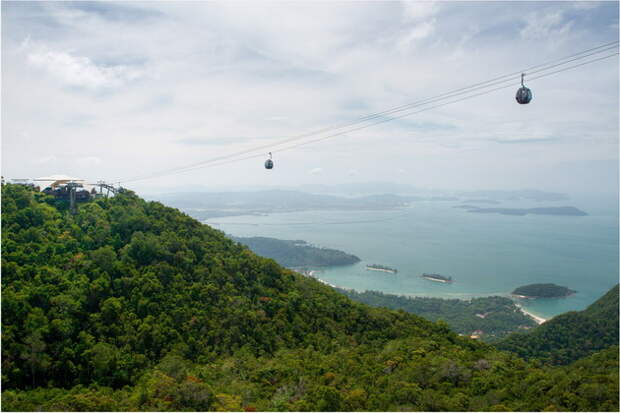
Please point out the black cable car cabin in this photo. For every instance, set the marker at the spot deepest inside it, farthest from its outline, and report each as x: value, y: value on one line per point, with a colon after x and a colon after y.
x: 524, y: 95
x: 269, y: 162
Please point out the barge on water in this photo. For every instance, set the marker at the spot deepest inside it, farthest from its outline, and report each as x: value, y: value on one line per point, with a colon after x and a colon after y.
x: 437, y: 277
x: 377, y: 267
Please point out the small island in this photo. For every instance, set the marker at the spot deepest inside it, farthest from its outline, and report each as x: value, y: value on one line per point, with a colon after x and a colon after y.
x: 377, y: 267
x: 542, y: 291
x: 437, y: 277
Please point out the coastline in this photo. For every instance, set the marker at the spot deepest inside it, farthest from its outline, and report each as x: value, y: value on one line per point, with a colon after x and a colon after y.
x: 312, y: 274
x: 326, y: 283
x: 531, y: 297
x: 390, y: 246
x: 539, y: 320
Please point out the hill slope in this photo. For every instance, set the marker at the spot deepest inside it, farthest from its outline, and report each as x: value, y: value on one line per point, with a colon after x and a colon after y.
x: 130, y: 281
x: 296, y: 253
x: 493, y: 317
x: 130, y: 305
x: 572, y: 335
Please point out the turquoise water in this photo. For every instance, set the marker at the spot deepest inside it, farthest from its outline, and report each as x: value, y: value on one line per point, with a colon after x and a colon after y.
x: 486, y: 254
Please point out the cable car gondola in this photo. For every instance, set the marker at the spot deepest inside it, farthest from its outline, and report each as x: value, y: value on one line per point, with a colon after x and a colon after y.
x: 269, y: 162
x: 524, y: 95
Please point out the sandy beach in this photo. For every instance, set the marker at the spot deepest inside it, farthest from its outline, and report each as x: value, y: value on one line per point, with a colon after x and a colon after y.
x: 521, y: 296
x: 326, y: 283
x: 536, y: 318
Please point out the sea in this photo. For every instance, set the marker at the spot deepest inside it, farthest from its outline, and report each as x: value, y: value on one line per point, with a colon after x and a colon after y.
x: 485, y: 254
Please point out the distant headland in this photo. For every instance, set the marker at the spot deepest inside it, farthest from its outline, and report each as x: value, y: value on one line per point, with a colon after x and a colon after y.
x: 297, y: 253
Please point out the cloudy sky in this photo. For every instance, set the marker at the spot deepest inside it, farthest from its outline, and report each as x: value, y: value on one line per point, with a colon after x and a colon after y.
x: 115, y: 90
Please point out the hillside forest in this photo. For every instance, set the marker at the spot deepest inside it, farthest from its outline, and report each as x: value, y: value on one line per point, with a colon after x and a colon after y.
x: 131, y: 305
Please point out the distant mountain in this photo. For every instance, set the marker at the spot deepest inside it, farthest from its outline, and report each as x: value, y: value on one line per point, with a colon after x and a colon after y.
x: 203, y: 205
x: 570, y: 336
x: 296, y: 253
x: 362, y: 196
x: 481, y: 201
x: 565, y: 211
x: 523, y: 194
x: 363, y: 188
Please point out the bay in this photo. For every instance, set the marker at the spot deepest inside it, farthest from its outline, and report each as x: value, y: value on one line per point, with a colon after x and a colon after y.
x: 486, y: 254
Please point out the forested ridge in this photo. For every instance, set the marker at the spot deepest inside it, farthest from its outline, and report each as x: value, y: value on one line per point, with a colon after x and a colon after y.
x: 130, y: 305
x: 296, y: 253
x: 492, y: 317
x: 570, y: 336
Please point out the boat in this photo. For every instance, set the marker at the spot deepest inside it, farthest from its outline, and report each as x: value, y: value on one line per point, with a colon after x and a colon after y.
x: 377, y: 267
x: 437, y: 277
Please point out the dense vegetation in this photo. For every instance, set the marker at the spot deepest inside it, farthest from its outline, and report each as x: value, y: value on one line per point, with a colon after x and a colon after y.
x: 496, y: 317
x: 130, y: 305
x: 543, y: 291
x: 297, y: 253
x: 570, y: 336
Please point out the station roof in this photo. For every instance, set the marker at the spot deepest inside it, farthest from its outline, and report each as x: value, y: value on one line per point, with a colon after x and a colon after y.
x: 54, y: 178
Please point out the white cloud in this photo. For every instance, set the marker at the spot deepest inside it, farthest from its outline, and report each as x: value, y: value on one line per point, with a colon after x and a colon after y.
x: 237, y: 76
x: 545, y: 25
x: 420, y: 22
x: 81, y: 71
x: 46, y: 160
x: 420, y: 31
x: 316, y: 171
x: 585, y: 5
x: 419, y: 10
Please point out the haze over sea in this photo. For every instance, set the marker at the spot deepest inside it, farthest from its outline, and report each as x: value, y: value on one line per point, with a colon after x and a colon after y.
x: 486, y: 254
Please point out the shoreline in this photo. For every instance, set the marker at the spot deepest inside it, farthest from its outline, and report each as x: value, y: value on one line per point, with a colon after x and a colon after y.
x: 326, y: 283
x: 539, y: 320
x: 531, y: 297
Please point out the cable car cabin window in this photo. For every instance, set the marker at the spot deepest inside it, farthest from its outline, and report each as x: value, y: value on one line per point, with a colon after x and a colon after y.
x: 269, y: 164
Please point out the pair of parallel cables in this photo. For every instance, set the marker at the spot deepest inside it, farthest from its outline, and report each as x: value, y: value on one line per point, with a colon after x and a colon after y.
x: 540, y: 71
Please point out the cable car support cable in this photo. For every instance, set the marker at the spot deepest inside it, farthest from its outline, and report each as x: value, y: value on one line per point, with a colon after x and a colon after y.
x: 221, y: 160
